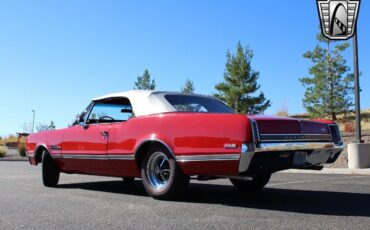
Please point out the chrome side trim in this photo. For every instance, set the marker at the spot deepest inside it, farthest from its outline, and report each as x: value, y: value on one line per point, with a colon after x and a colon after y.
x: 85, y: 157
x: 55, y: 147
x: 56, y: 156
x: 94, y: 157
x: 121, y: 157
x: 288, y: 134
x: 292, y: 146
x: 214, y: 157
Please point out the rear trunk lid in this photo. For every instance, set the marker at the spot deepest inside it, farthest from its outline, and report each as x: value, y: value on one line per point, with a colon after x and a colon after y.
x: 275, y: 129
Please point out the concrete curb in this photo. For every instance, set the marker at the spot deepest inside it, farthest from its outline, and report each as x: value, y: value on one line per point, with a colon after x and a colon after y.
x: 343, y: 171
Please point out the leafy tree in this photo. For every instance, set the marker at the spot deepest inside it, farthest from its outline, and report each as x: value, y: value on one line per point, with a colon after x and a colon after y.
x: 240, y: 83
x: 329, y: 89
x: 188, y: 87
x: 145, y: 82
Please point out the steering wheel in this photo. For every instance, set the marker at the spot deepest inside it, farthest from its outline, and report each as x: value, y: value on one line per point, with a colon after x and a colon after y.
x: 105, y: 117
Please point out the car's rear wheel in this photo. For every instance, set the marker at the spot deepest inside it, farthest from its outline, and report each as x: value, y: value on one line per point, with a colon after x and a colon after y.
x: 50, y: 171
x: 162, y: 177
x: 253, y: 184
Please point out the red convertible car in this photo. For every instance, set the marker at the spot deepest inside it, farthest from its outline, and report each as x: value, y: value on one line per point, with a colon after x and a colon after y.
x: 166, y: 138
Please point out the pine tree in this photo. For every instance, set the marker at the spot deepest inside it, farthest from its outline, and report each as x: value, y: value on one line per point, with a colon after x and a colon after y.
x: 240, y: 85
x: 52, y: 125
x: 145, y: 82
x: 188, y: 87
x: 329, y: 89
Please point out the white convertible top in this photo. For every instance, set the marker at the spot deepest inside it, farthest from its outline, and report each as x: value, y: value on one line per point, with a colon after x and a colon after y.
x: 143, y: 102
x: 146, y: 102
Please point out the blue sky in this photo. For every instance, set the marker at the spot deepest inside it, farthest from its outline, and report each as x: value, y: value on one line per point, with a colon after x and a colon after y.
x: 57, y: 55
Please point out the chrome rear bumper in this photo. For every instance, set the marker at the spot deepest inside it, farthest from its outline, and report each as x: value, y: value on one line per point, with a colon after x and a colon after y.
x: 317, y: 152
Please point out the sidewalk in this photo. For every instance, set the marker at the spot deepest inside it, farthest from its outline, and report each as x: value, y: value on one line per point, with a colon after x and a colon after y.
x: 344, y: 171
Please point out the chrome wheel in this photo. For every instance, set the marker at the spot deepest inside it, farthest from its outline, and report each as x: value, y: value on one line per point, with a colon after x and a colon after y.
x: 158, y: 170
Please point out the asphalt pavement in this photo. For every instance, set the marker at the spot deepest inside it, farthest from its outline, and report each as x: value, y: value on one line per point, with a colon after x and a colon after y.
x: 290, y: 201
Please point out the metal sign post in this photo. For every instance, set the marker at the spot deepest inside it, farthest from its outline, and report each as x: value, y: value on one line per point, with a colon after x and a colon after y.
x: 357, y: 90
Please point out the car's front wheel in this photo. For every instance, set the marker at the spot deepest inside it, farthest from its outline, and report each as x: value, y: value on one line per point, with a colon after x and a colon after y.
x: 50, y: 171
x: 162, y: 177
x: 253, y: 184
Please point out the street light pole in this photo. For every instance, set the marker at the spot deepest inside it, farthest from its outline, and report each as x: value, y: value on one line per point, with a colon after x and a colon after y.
x: 357, y: 89
x: 33, y: 120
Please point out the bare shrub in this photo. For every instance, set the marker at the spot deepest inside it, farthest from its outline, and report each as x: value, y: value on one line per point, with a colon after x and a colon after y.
x: 2, y: 151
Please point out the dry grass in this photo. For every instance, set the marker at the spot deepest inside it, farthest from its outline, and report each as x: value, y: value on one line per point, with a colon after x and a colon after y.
x: 283, y: 111
x: 351, y: 127
x: 2, y: 151
x: 346, y: 123
x: 22, y: 150
x: 11, y: 139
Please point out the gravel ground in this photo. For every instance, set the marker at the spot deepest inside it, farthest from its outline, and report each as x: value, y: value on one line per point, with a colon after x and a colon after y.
x: 348, y: 137
x: 291, y: 201
x: 12, y: 155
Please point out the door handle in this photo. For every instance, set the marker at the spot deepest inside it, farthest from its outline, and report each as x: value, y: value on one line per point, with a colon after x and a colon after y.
x: 105, y: 134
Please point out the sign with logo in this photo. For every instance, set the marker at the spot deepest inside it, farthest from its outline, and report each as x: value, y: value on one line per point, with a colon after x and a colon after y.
x: 338, y: 18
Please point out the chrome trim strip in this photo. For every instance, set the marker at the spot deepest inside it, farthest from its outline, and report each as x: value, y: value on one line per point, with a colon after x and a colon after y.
x: 298, y: 140
x: 121, y: 157
x: 55, y: 147
x: 295, y: 137
x: 94, y: 157
x: 291, y: 146
x: 56, y: 155
x: 85, y: 157
x: 213, y: 157
x: 289, y: 134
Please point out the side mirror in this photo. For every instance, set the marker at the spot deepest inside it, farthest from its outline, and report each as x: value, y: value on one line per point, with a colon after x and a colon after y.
x: 82, y: 123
